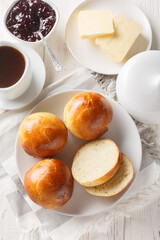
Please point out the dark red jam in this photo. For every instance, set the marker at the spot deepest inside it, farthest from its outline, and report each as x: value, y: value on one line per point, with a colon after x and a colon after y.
x: 23, y: 19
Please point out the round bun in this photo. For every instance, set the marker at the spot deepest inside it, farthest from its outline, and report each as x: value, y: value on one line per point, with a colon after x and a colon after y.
x: 87, y: 115
x: 49, y: 183
x: 42, y: 134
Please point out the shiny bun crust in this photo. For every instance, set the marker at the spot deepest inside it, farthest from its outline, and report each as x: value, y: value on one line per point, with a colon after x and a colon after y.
x: 42, y: 134
x: 87, y: 115
x: 49, y: 183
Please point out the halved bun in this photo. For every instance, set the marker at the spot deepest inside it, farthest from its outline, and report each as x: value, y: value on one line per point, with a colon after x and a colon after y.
x: 120, y: 180
x: 87, y: 115
x: 43, y: 134
x: 96, y: 162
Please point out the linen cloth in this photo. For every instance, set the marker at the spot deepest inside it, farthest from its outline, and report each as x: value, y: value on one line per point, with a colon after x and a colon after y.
x: 38, y: 223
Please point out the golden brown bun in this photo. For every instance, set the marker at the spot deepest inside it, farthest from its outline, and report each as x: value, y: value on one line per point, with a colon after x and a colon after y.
x: 42, y: 134
x: 49, y: 183
x: 87, y: 115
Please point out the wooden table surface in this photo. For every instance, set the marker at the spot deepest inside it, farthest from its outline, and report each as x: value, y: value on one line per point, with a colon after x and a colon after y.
x: 144, y: 223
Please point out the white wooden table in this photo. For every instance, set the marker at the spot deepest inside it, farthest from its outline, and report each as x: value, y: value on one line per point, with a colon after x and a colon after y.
x: 143, y: 224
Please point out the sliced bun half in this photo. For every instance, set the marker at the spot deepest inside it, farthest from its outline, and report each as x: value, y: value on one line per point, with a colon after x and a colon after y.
x: 120, y: 180
x: 96, y: 162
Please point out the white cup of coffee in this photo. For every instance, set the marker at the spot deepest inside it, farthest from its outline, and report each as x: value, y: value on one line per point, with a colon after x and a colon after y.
x: 15, y: 70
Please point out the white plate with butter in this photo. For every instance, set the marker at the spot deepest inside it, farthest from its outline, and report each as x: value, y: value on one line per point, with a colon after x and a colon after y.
x: 87, y: 53
x: 122, y: 130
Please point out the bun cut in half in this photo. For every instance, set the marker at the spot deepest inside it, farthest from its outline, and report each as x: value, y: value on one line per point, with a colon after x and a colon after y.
x: 120, y: 180
x: 43, y: 134
x: 49, y: 183
x: 87, y: 115
x: 96, y: 162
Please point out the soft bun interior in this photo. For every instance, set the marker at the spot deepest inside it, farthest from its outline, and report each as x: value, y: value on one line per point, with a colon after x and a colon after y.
x: 96, y: 162
x: 118, y: 182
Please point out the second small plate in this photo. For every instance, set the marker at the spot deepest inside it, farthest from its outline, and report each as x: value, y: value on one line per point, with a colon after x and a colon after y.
x: 87, y: 53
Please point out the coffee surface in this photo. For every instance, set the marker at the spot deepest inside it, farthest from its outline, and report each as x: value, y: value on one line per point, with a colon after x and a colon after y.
x: 12, y: 65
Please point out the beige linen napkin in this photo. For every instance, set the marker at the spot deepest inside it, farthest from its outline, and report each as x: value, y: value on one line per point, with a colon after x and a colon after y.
x: 38, y: 223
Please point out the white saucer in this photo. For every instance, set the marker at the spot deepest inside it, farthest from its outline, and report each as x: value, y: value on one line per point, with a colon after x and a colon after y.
x: 87, y: 53
x: 37, y: 83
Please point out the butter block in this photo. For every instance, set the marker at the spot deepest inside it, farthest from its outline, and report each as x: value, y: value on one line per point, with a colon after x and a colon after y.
x: 118, y: 45
x: 95, y: 23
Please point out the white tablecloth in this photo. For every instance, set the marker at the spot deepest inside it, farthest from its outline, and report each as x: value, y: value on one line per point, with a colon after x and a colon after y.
x: 36, y: 221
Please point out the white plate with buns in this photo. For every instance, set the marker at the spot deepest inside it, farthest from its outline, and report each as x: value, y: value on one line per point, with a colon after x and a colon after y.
x: 122, y: 133
x: 87, y: 53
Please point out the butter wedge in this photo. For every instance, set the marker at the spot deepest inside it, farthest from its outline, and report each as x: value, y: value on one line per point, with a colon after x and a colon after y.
x: 95, y: 23
x: 118, y: 45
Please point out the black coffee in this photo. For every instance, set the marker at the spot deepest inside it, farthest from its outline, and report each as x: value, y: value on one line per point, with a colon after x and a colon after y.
x: 12, y: 65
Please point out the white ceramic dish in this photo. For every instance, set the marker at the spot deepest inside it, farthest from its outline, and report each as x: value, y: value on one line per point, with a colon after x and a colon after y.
x: 89, y: 55
x: 31, y: 43
x: 35, y: 87
x: 122, y: 130
x: 138, y: 87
